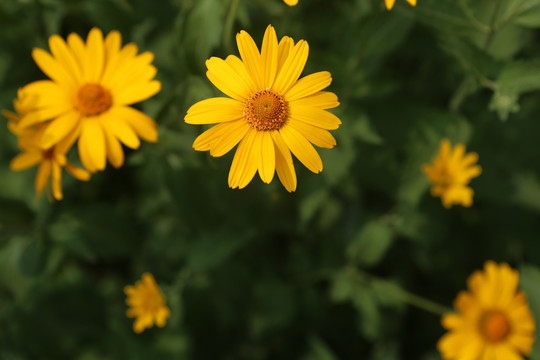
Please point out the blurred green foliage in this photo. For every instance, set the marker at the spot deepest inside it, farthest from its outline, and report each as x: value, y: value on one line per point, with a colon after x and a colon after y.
x: 320, y: 274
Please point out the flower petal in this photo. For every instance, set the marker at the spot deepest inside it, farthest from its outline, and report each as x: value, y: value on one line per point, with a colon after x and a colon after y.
x: 95, y: 55
x: 92, y: 149
x: 136, y: 93
x: 292, y: 68
x: 215, y: 110
x: 26, y: 160
x: 220, y: 139
x: 284, y: 163
x: 321, y: 100
x: 301, y: 148
x: 309, y: 85
x: 314, y: 134
x: 245, y: 162
x: 142, y: 124
x: 317, y: 117
x: 226, y: 79
x: 269, y: 56
x: 59, y: 128
x: 267, y: 159
x: 251, y: 57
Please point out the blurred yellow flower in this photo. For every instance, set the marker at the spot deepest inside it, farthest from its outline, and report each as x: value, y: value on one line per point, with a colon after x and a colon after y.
x: 291, y: 2
x: 269, y: 111
x: 450, y: 173
x: 493, y: 319
x: 89, y: 92
x: 390, y: 3
x: 51, y: 160
x: 147, y: 304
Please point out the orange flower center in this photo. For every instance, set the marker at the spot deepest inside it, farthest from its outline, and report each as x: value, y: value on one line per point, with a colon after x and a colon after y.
x: 494, y: 326
x: 93, y: 99
x: 266, y: 110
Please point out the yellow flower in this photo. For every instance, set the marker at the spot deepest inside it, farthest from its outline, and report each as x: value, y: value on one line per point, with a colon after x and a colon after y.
x: 390, y: 3
x: 270, y: 111
x: 147, y: 304
x: 89, y: 92
x: 291, y: 2
x: 51, y: 161
x: 493, y: 320
x: 450, y: 173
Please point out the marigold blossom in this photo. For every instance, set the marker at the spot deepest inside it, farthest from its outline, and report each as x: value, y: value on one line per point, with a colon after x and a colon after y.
x: 390, y: 3
x: 450, y: 173
x: 493, y: 319
x: 270, y: 112
x: 89, y: 92
x: 147, y: 304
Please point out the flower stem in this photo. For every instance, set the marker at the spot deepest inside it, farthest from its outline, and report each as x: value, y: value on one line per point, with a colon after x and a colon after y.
x: 229, y: 22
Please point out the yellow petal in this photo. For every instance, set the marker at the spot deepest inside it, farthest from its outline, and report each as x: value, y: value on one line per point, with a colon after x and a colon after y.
x: 313, y: 116
x: 92, y: 145
x: 142, y: 124
x: 291, y: 2
x: 120, y: 129
x: 242, y: 72
x: 131, y: 73
x: 316, y: 135
x: 214, y: 110
x: 412, y: 2
x: 321, y: 100
x: 292, y: 68
x: 301, y: 148
x: 26, y: 160
x: 284, y: 163
x: 42, y: 176
x: 137, y: 93
x: 286, y: 45
x: 226, y: 79
x: 57, y: 181
x: 245, y: 162
x: 65, y: 56
x: 117, y: 60
x: 77, y: 46
x: 269, y: 56
x: 267, y: 159
x: 77, y: 172
x: 221, y: 138
x: 309, y: 85
x: 52, y: 68
x: 59, y: 128
x: 43, y: 93
x: 115, y: 154
x: 251, y: 57
x: 389, y: 4
x: 95, y: 55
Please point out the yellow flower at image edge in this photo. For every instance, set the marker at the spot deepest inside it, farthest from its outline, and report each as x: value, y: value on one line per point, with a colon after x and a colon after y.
x: 291, y: 2
x: 493, y: 319
x: 390, y: 3
x: 92, y: 85
x: 450, y: 173
x: 51, y: 160
x: 147, y: 304
x: 270, y: 112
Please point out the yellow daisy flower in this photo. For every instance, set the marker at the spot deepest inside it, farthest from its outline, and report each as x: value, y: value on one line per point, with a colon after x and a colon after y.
x: 147, y: 304
x: 92, y: 85
x: 269, y: 111
x: 51, y: 161
x: 291, y: 2
x: 450, y: 173
x: 390, y: 3
x: 493, y: 320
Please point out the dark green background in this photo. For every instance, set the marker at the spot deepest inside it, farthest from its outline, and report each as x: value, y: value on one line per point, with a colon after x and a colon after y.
x: 259, y: 273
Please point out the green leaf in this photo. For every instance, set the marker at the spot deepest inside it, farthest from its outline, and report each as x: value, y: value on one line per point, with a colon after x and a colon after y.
x: 370, y: 244
x: 514, y: 80
x: 319, y: 350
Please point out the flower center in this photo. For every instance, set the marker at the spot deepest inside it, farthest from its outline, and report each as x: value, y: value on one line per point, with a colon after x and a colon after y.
x: 494, y: 326
x: 93, y: 99
x: 266, y: 110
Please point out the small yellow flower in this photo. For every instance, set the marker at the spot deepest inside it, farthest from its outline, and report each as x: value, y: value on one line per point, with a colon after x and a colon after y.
x: 450, y: 173
x: 390, y: 3
x: 51, y: 160
x: 493, y: 320
x: 291, y: 2
x: 147, y: 304
x: 270, y: 112
x: 92, y: 85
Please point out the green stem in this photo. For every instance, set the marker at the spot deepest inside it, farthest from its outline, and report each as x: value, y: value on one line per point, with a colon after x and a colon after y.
x: 229, y: 22
x: 492, y: 28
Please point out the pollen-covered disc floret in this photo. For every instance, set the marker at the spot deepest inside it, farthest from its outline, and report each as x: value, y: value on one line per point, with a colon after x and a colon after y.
x: 93, y: 99
x: 266, y: 110
x: 269, y: 111
x: 493, y: 320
